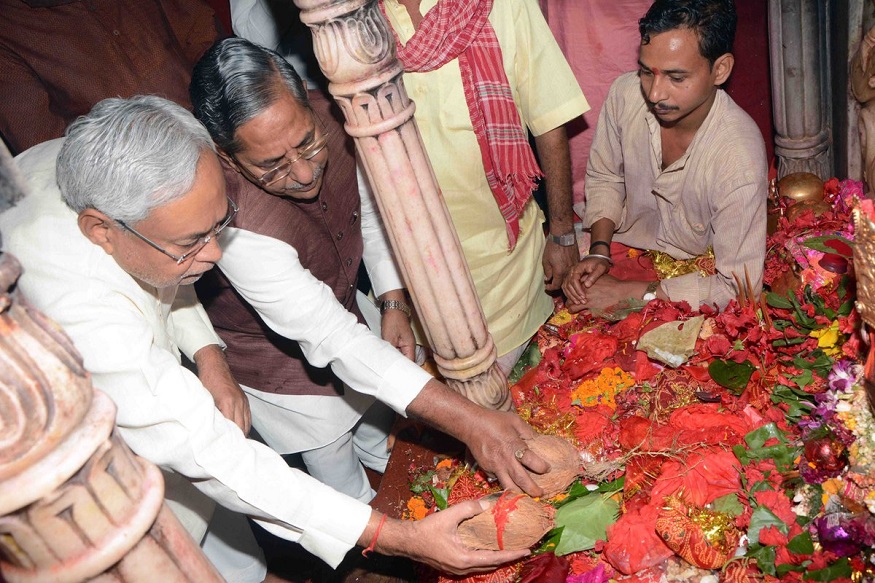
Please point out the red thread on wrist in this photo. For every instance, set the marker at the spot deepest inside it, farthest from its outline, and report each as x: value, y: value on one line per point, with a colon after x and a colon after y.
x: 374, y: 540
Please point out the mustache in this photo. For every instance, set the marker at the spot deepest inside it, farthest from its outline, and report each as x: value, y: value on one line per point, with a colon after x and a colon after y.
x: 661, y: 107
x: 297, y: 186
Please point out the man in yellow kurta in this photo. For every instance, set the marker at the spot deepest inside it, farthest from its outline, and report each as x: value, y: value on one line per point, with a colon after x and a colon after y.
x: 509, y: 276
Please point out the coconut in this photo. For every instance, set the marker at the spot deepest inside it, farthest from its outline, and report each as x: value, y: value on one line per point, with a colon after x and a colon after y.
x: 515, y: 521
x: 564, y: 461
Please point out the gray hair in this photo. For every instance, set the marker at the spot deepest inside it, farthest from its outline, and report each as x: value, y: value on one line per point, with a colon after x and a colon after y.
x: 235, y: 81
x: 130, y: 156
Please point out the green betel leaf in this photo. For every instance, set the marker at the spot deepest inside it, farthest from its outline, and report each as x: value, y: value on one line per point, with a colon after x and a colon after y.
x: 834, y: 244
x: 764, y: 556
x: 584, y: 522
x: 841, y: 569
x: 440, y: 496
x: 530, y: 358
x: 778, y: 301
x: 551, y: 539
x: 728, y: 504
x: 730, y: 374
x: 785, y: 568
x: 762, y: 518
x: 801, y: 544
x: 613, y: 485
x: 783, y: 453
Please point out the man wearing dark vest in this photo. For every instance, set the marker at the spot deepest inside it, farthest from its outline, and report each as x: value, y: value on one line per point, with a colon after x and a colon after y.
x: 275, y: 141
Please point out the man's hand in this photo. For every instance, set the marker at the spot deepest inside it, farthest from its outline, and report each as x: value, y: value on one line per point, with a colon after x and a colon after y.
x: 555, y: 161
x: 395, y: 329
x: 395, y: 325
x: 492, y: 436
x: 214, y: 374
x: 495, y: 443
x: 580, y: 278
x: 558, y: 260
x: 435, y: 541
x: 609, y: 291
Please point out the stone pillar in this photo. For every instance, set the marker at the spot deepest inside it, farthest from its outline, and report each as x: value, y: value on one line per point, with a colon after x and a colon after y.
x: 75, y: 503
x: 800, y: 80
x: 356, y: 51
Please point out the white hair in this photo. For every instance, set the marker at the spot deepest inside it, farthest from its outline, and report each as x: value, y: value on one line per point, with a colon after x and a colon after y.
x: 129, y: 156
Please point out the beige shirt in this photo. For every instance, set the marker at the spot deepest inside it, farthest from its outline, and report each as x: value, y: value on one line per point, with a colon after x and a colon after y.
x: 510, y: 284
x: 714, y: 195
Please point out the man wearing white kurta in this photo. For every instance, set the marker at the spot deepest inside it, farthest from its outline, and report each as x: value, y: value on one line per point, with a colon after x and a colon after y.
x: 109, y: 283
x: 261, y: 116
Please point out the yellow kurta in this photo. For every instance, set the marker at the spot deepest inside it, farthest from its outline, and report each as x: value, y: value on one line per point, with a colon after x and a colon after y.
x: 510, y: 284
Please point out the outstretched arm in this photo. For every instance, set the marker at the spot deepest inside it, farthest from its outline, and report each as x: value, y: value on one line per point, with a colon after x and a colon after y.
x: 556, y: 162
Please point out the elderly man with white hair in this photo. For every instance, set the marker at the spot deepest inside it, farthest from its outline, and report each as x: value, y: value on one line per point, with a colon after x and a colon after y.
x: 141, y: 205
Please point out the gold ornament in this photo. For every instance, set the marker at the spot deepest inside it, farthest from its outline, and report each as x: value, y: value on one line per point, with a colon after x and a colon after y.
x: 819, y: 208
x: 667, y: 266
x: 801, y: 186
x: 864, y: 265
x: 864, y: 268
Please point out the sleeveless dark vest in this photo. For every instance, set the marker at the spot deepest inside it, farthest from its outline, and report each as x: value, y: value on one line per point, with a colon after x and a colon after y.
x: 327, y: 235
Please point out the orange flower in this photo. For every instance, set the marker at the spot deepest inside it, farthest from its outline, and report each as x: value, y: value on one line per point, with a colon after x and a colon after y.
x: 417, y: 508
x: 445, y: 463
x: 603, y: 389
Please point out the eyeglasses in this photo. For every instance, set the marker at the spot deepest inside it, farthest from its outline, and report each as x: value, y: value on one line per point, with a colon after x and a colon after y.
x: 195, y: 247
x: 307, y: 152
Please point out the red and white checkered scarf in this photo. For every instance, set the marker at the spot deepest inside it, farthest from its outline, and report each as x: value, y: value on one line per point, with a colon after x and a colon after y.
x: 460, y: 28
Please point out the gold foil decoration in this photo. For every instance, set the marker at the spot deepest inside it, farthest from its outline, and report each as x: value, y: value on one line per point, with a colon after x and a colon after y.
x: 864, y: 265
x: 667, y: 266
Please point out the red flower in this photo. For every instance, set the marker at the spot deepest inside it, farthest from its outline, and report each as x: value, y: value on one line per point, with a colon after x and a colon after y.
x: 717, y: 346
x: 778, y: 503
x: 629, y: 328
x: 591, y: 423
x: 587, y: 353
x: 772, y: 536
x: 832, y: 187
x: 645, y: 369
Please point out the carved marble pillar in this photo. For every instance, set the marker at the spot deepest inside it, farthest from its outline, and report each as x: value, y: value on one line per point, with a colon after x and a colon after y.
x: 800, y: 80
x: 356, y: 51
x: 75, y: 503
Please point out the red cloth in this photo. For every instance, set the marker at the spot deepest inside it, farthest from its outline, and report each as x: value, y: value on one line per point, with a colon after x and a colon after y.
x: 460, y: 28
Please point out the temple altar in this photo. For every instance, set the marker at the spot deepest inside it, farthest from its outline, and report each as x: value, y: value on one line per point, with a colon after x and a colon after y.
x: 707, y: 430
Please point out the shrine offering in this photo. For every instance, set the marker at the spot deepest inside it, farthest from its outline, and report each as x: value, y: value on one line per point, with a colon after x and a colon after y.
x: 564, y: 463
x: 515, y: 521
x: 731, y: 446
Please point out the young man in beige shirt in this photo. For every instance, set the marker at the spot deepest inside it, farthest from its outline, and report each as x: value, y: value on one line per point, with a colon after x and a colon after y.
x: 676, y: 166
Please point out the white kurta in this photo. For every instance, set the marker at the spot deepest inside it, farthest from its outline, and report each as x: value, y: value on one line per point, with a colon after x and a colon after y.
x: 130, y: 336
x: 304, y: 422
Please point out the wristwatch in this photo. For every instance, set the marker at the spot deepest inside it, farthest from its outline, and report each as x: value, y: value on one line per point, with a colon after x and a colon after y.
x: 650, y: 294
x: 394, y: 305
x: 566, y: 240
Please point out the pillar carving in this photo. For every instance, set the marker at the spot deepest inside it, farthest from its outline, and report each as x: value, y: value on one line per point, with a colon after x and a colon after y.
x: 356, y: 51
x: 75, y: 503
x: 800, y: 79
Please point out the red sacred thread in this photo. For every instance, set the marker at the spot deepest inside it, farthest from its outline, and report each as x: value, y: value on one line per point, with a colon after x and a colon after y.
x: 501, y: 513
x: 374, y: 540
